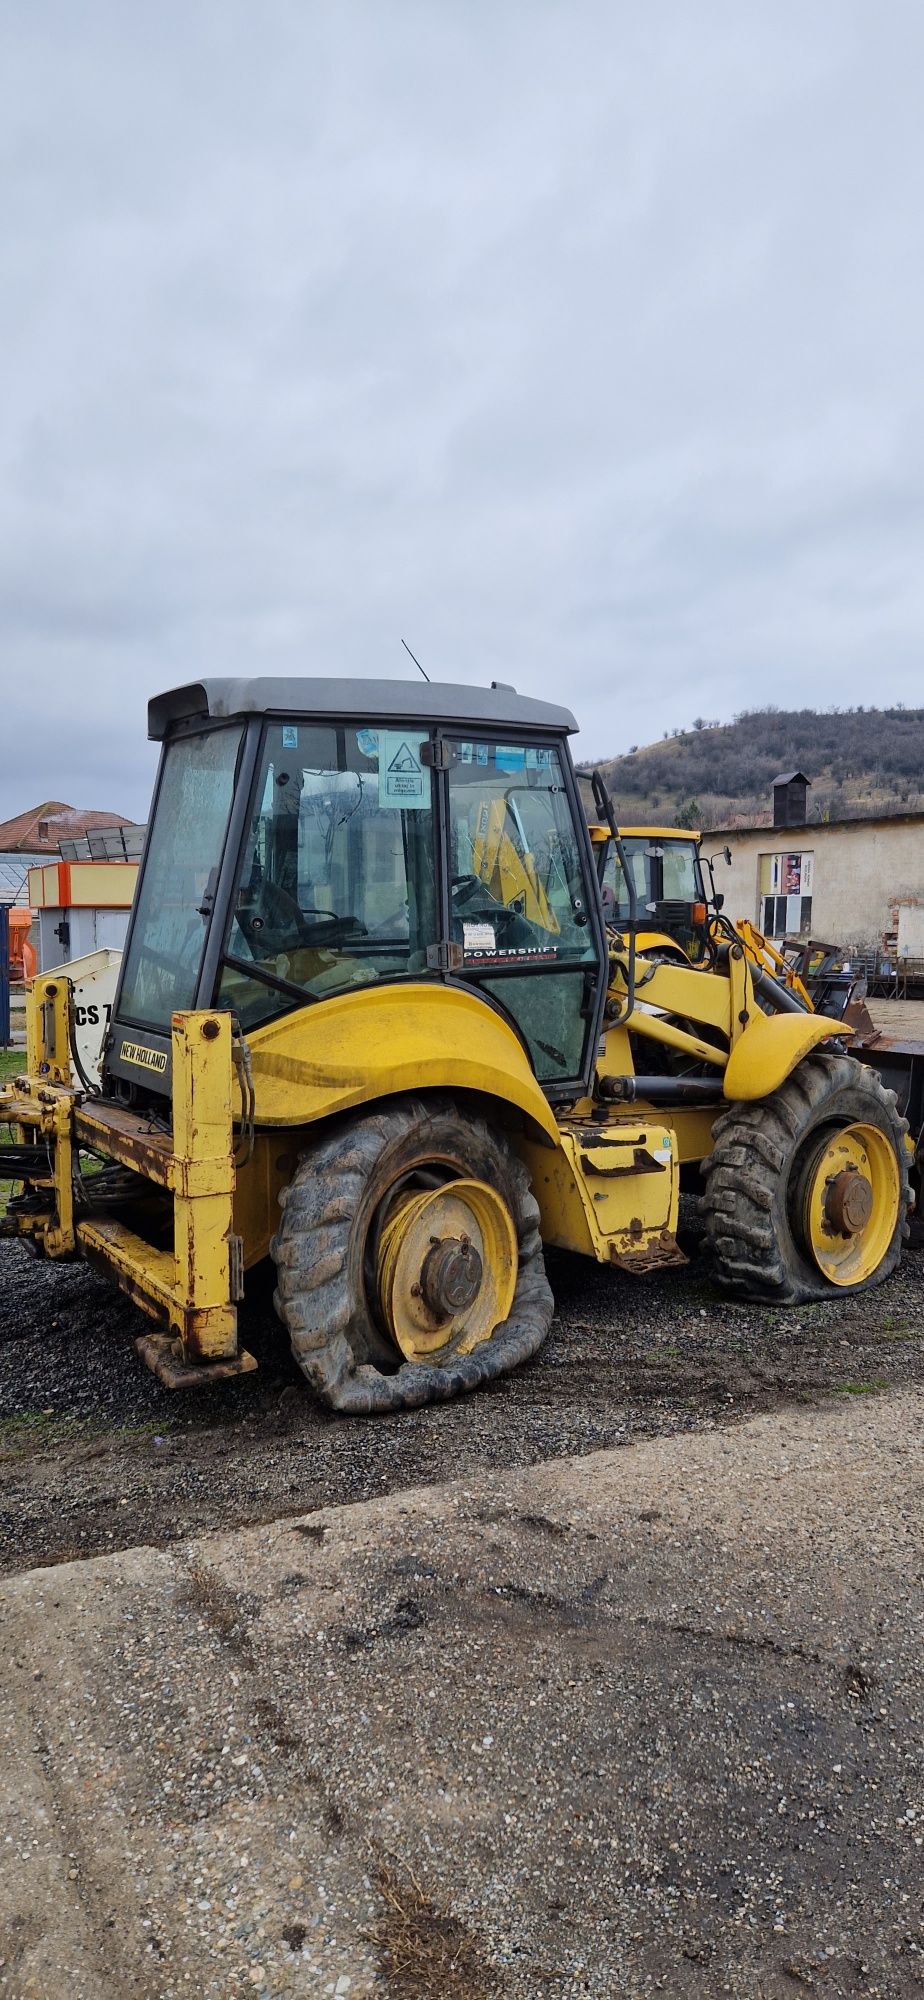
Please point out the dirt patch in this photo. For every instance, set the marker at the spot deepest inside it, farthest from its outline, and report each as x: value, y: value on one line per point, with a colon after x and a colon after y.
x: 96, y: 1455
x: 423, y: 1950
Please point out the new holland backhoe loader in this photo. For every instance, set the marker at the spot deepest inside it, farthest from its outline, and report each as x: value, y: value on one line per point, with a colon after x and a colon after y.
x: 372, y: 1021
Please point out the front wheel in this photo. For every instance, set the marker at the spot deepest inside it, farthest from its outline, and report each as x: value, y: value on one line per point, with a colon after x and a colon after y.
x: 807, y: 1191
x: 408, y: 1261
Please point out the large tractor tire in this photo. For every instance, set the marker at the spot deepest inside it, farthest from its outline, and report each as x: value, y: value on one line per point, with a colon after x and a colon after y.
x: 807, y: 1191
x: 408, y: 1261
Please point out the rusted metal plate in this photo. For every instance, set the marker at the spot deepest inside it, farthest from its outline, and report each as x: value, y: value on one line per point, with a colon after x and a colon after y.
x: 660, y: 1256
x: 164, y: 1356
x: 127, y: 1137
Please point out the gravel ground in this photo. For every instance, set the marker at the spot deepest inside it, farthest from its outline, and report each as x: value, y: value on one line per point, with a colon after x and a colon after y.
x: 96, y: 1455
x: 643, y: 1722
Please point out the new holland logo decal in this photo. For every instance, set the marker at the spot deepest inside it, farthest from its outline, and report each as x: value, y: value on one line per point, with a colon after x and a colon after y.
x: 134, y: 1052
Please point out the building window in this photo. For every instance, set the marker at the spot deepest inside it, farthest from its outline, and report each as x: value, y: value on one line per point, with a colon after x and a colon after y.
x: 785, y: 883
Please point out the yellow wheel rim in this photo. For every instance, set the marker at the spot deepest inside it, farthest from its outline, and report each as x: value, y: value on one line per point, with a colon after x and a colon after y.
x: 851, y: 1203
x: 447, y: 1269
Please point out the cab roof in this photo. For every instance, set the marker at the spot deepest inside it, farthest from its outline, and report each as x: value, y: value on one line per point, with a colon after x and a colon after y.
x: 359, y: 700
x: 646, y: 832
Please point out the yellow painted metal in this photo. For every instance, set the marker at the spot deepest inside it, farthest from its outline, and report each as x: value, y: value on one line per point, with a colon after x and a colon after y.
x: 33, y: 1027
x: 203, y: 1180
x: 847, y: 1253
x: 769, y: 1049
x: 471, y: 1219
x: 59, y: 1239
x: 682, y: 834
x: 657, y: 1029
x: 764, y: 953
x: 741, y: 1002
x: 37, y: 1109
x: 47, y: 1038
x: 148, y: 1275
x: 612, y: 1188
x: 684, y: 991
x: 509, y: 876
x: 193, y: 1284
x: 692, y: 1129
x: 651, y: 941
x: 615, y: 1059
x: 258, y: 1185
x: 375, y: 1042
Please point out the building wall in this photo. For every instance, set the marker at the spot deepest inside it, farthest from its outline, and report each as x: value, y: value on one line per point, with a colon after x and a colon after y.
x: 862, y: 873
x: 88, y: 930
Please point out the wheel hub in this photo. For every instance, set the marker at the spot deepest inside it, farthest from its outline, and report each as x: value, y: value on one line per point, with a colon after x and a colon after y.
x: 849, y: 1198
x: 848, y: 1202
x: 447, y: 1268
x: 451, y: 1276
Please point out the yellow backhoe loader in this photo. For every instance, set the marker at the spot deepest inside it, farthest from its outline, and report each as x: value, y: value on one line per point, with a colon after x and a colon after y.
x: 376, y: 1020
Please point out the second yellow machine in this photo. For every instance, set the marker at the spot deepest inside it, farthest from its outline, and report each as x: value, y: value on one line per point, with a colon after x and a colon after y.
x: 377, y: 1020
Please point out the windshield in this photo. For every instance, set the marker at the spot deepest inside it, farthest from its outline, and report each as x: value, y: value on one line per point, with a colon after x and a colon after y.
x: 180, y: 872
x: 336, y: 885
x: 663, y: 871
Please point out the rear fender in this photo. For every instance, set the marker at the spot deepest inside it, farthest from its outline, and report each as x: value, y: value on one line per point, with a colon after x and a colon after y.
x: 378, y: 1042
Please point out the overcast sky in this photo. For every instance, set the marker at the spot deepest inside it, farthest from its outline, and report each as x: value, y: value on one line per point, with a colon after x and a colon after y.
x: 582, y: 345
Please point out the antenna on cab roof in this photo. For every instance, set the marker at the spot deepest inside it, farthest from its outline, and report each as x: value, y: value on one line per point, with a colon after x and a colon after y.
x: 416, y: 661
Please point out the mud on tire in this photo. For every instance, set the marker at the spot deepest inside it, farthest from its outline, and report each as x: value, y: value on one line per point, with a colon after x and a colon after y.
x: 324, y: 1251
x: 748, y: 1206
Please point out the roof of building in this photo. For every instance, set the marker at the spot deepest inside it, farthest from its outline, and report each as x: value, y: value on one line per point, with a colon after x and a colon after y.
x: 816, y: 826
x: 789, y: 778
x: 363, y: 700
x: 39, y: 830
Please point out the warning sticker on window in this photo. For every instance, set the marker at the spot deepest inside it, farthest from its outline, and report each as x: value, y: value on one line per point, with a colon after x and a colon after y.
x: 403, y: 781
x: 478, y: 937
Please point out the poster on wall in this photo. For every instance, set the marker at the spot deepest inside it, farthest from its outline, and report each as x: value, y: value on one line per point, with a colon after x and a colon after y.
x: 792, y: 874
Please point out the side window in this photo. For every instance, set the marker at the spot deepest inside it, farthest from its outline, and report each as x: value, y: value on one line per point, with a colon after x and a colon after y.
x: 336, y: 887
x: 517, y: 880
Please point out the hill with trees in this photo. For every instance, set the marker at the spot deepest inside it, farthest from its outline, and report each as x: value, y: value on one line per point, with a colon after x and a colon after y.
x: 861, y: 761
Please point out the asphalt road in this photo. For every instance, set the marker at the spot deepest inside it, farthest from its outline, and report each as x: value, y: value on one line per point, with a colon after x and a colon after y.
x: 643, y: 1722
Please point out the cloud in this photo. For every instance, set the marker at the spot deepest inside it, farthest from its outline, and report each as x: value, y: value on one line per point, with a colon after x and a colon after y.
x: 581, y: 346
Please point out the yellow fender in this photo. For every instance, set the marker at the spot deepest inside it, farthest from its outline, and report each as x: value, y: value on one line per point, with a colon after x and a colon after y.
x: 358, y: 1047
x: 769, y: 1048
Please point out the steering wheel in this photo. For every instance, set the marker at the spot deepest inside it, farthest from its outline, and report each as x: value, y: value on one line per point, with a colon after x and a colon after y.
x: 278, y: 922
x: 504, y: 920
x: 349, y: 925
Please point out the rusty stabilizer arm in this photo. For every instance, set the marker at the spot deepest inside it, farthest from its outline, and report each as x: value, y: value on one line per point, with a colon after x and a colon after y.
x: 192, y: 1286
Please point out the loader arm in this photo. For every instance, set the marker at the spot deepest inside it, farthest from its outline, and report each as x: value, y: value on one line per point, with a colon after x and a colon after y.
x: 753, y: 1051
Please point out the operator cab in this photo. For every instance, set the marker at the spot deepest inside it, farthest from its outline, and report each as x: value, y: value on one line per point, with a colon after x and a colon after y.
x: 313, y: 837
x: 670, y: 898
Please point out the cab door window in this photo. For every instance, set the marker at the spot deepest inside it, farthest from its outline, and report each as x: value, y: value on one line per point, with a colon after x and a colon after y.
x: 519, y: 902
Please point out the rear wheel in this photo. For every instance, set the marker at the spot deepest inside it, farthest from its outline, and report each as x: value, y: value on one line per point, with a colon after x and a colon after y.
x: 408, y: 1261
x: 807, y: 1190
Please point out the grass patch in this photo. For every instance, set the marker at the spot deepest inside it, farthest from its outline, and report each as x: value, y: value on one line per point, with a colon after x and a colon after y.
x: 862, y: 1388
x: 43, y: 1431
x: 12, y: 1063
